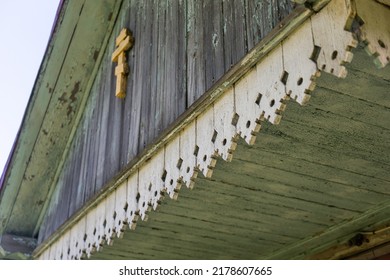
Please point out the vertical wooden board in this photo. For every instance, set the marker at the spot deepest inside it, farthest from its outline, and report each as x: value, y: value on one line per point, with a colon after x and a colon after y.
x: 272, y: 90
x: 249, y: 115
x: 63, y: 251
x: 262, y: 16
x: 254, y: 22
x: 330, y: 36
x: 302, y: 71
x: 100, y: 220
x: 144, y: 188
x: 284, y: 8
x: 49, y: 222
x: 76, y: 195
x: 84, y: 160
x: 90, y: 232
x: 110, y: 216
x: 128, y: 19
x: 77, y: 233
x: 101, y: 134
x: 188, y: 171
x: 160, y: 64
x: 206, y: 155
x: 170, y: 62
x: 226, y: 140
x: 114, y: 120
x: 144, y: 38
x: 136, y: 91
x: 173, y: 102
x: 173, y: 165
x: 213, y: 41
x: 110, y: 120
x: 132, y: 200
x: 65, y: 196
x: 121, y: 208
x: 57, y: 249
x: 154, y: 71
x: 181, y: 83
x: 92, y: 140
x: 157, y: 170
x: 265, y: 17
x: 90, y: 156
x: 195, y: 52
x: 228, y: 35
x: 240, y: 46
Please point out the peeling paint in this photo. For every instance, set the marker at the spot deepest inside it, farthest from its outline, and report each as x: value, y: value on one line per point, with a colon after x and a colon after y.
x: 75, y: 90
x: 62, y: 98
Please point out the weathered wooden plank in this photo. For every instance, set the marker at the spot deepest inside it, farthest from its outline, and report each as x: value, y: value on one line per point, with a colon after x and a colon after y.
x: 154, y: 72
x: 65, y: 195
x: 144, y: 38
x: 77, y: 191
x: 334, y: 101
x: 213, y: 41
x: 240, y: 46
x: 318, y: 156
x: 127, y: 19
x: 181, y: 74
x: 93, y: 141
x: 84, y: 164
x: 189, y: 228
x: 114, y: 120
x: 290, y: 201
x: 262, y: 16
x: 334, y: 136
x: 283, y: 9
x: 159, y: 65
x: 102, y: 133
x: 195, y: 52
x: 319, y: 171
x: 134, y: 105
x: 283, y: 183
x: 174, y: 242
x: 358, y: 84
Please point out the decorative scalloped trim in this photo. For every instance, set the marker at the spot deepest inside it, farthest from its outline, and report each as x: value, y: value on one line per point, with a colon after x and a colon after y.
x: 289, y: 71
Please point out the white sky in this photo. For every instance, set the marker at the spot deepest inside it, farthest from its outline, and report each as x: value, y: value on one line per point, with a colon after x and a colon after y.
x: 25, y: 27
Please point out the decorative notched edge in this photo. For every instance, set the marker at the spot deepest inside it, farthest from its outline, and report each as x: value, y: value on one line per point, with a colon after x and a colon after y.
x: 289, y: 71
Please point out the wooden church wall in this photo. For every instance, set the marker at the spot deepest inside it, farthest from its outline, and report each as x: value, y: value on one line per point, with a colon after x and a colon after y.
x: 181, y: 48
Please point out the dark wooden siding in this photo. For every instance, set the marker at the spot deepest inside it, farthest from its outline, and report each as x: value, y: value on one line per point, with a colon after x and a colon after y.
x: 182, y: 47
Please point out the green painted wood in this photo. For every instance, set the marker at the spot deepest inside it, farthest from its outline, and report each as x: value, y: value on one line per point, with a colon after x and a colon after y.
x: 39, y: 102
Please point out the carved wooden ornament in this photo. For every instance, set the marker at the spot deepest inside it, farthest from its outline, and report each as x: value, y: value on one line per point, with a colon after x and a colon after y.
x: 123, y: 43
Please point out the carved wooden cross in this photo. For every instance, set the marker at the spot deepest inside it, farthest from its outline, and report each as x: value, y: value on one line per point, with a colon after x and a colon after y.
x: 123, y: 43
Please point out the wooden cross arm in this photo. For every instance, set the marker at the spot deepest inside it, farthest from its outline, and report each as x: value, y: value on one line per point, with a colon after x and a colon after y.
x: 124, y: 33
x: 126, y: 44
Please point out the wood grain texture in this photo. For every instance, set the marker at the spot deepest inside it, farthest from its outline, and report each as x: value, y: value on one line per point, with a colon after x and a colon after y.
x: 181, y: 48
